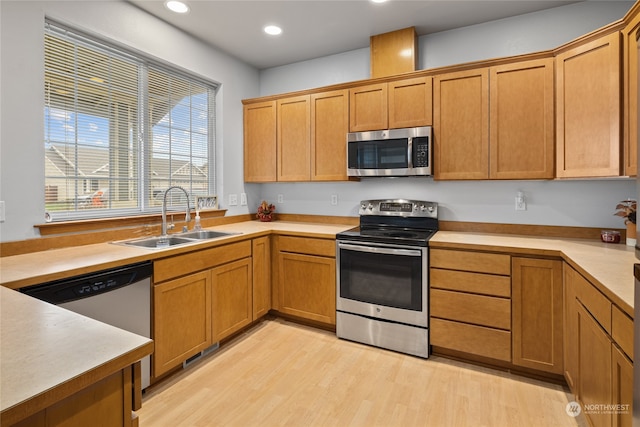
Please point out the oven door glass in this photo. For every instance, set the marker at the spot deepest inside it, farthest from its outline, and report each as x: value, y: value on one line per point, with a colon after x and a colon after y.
x: 383, y: 281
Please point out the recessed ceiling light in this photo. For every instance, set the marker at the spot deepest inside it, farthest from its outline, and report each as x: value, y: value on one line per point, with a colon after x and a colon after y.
x: 177, y: 6
x: 272, y: 30
x: 378, y: 1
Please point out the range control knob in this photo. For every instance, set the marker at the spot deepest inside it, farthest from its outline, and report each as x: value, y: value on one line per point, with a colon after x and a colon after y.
x: 370, y: 207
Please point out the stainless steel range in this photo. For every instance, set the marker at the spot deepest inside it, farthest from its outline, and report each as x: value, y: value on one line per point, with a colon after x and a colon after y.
x: 383, y: 275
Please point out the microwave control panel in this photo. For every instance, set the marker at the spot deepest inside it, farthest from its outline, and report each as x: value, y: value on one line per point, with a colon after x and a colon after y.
x: 421, y: 152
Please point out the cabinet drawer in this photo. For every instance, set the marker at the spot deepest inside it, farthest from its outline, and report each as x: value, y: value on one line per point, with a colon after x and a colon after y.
x: 478, y: 309
x: 477, y: 283
x: 305, y: 245
x: 622, y: 330
x: 595, y: 302
x: 479, y: 262
x: 181, y: 265
x: 478, y: 340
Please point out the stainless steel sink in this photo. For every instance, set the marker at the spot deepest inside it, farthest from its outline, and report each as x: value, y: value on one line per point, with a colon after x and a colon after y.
x: 205, y: 234
x: 157, y: 242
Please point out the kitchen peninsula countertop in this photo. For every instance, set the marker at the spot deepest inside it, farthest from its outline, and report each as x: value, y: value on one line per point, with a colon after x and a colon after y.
x: 608, y: 266
x: 49, y: 353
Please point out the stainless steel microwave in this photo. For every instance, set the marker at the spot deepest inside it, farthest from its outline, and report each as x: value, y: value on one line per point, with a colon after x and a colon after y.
x: 392, y: 152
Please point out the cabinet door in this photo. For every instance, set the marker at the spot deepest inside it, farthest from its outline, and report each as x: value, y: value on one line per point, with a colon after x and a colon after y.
x: 570, y: 335
x: 232, y: 302
x: 261, y: 259
x: 630, y: 79
x: 537, y: 313
x: 182, y: 320
x: 588, y: 109
x: 368, y: 108
x: 594, y: 365
x: 461, y: 125
x: 410, y: 103
x: 307, y: 286
x: 329, y: 128
x: 293, y: 137
x: 522, y: 120
x: 260, y: 142
x: 622, y: 388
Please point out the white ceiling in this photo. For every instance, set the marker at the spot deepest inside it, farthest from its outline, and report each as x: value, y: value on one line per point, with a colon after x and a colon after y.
x: 315, y: 28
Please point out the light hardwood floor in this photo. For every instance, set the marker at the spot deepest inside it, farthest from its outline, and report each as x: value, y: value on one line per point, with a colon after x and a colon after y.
x: 283, y: 374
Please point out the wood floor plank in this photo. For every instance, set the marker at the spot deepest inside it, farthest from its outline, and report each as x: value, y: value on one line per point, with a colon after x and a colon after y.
x: 283, y: 374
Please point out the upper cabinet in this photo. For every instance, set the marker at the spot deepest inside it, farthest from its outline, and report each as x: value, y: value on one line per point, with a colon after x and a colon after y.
x: 461, y: 125
x: 495, y: 123
x: 630, y: 96
x: 329, y: 128
x: 393, y: 105
x: 588, y: 109
x: 293, y: 136
x: 521, y: 120
x: 260, y: 142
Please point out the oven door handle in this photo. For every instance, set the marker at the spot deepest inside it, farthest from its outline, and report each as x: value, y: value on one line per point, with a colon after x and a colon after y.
x: 380, y: 250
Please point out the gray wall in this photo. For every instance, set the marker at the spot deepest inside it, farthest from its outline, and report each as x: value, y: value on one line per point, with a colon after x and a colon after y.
x: 22, y: 100
x: 587, y: 203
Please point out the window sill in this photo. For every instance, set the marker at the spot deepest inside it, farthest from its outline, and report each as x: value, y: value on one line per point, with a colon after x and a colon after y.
x: 101, y: 224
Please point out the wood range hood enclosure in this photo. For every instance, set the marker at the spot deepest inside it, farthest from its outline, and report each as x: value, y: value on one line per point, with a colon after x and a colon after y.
x: 394, y: 52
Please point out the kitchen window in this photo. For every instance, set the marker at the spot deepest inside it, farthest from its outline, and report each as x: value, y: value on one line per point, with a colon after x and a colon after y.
x: 120, y: 129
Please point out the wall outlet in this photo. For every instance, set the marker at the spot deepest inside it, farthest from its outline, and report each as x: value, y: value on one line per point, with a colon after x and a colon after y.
x: 2, y: 217
x: 280, y: 198
x: 334, y: 200
x: 243, y: 199
x: 233, y: 200
x: 521, y: 203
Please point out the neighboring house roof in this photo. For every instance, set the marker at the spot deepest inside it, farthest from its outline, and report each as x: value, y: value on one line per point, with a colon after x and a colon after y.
x: 94, y: 163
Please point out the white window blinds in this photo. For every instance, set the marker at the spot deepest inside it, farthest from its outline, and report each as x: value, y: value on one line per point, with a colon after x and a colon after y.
x: 120, y: 129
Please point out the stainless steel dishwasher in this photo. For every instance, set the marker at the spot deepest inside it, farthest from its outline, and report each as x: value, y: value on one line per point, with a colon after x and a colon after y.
x: 120, y: 297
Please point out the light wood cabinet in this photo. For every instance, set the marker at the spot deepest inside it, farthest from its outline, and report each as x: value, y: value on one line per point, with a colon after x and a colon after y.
x: 537, y: 314
x: 306, y: 278
x: 261, y: 259
x: 470, y: 305
x: 630, y: 96
x: 181, y: 320
x: 588, y: 109
x: 521, y: 120
x: 232, y: 303
x: 106, y: 402
x: 594, y: 366
x: 260, y: 142
x: 393, y: 105
x: 410, y: 102
x: 597, y: 369
x: 621, y: 388
x: 329, y: 128
x: 368, y: 108
x: 293, y: 139
x: 461, y: 125
x: 495, y: 123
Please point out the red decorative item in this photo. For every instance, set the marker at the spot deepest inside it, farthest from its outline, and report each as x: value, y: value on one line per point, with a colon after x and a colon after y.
x: 265, y: 211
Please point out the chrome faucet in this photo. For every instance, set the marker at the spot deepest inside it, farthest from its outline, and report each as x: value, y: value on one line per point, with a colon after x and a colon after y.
x: 187, y: 216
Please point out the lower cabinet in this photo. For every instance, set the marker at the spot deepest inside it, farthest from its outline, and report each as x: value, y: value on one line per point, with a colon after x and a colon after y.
x: 182, y: 320
x: 106, y: 402
x: 470, y: 305
x: 232, y: 298
x: 305, y: 278
x: 261, y: 258
x: 536, y: 305
x: 597, y: 368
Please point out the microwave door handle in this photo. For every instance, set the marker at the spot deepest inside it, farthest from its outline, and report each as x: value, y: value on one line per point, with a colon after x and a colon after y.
x: 410, y: 152
x: 380, y: 250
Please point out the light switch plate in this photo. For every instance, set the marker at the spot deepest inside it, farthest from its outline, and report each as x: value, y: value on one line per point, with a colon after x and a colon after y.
x: 243, y: 199
x: 2, y: 211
